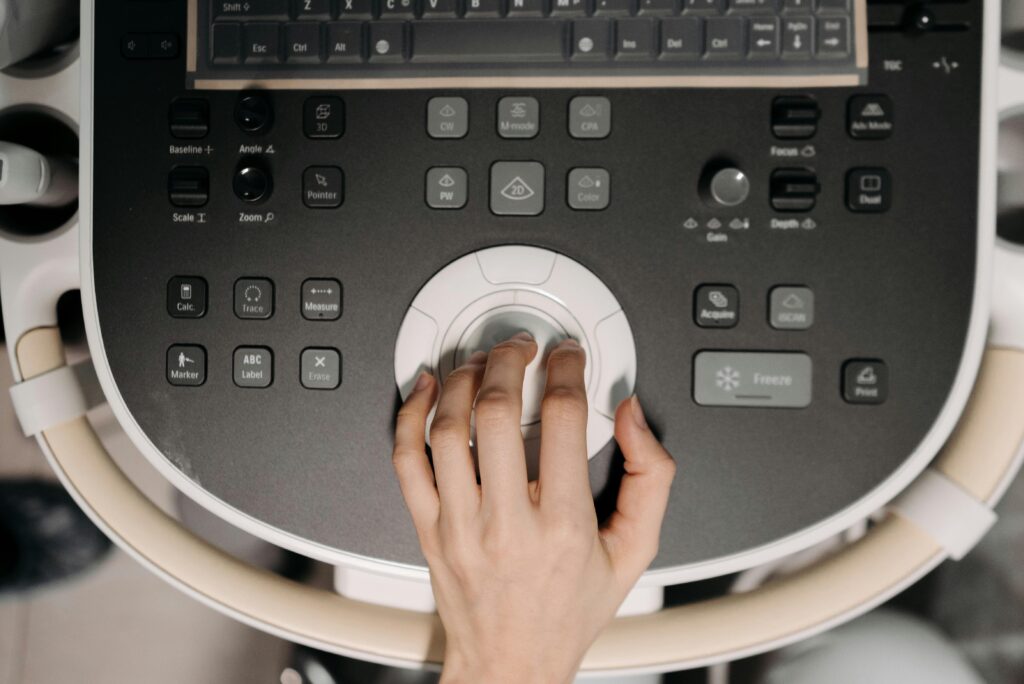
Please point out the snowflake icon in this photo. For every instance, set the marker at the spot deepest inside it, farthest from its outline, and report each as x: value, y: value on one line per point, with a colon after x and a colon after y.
x: 727, y: 378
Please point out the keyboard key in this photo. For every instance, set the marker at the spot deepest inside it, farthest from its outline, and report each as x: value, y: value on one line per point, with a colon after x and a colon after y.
x: 396, y: 9
x: 262, y: 43
x: 444, y: 9
x: 704, y: 6
x: 833, y: 37
x: 833, y: 5
x: 302, y: 42
x: 796, y: 37
x: 797, y: 6
x: 226, y: 43
x: 312, y: 9
x: 574, y: 8
x: 591, y: 39
x: 387, y: 41
x: 681, y: 38
x: 614, y: 7
x: 724, y: 38
x: 250, y: 9
x: 754, y: 6
x: 483, y: 8
x: 526, y: 8
x: 355, y: 9
x: 764, y: 37
x: 659, y: 7
x: 634, y: 38
x: 345, y: 41
x: 465, y: 40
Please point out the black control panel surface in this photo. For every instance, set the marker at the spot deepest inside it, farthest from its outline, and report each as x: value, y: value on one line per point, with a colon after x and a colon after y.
x: 797, y: 267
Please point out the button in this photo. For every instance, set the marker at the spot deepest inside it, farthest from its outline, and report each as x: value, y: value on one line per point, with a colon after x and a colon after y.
x: 186, y: 297
x: 254, y: 113
x: 302, y: 43
x: 833, y: 37
x: 226, y: 43
x: 865, y: 382
x: 763, y: 6
x: 254, y: 298
x: 323, y: 118
x: 188, y: 186
x: 526, y: 8
x: 796, y: 37
x: 262, y: 43
x: 518, y: 117
x: 658, y: 7
x: 681, y: 38
x: 387, y: 41
x: 447, y: 117
x: 634, y: 39
x: 791, y: 308
x: 568, y: 7
x: 591, y: 39
x: 590, y: 117
x: 728, y: 187
x: 795, y: 118
x: 704, y: 6
x: 442, y: 9
x: 868, y: 190
x: 254, y: 367
x: 135, y: 46
x: 250, y: 9
x: 724, y: 38
x: 764, y: 38
x: 396, y: 9
x: 355, y: 9
x: 189, y: 118
x: 447, y: 187
x: 517, y: 188
x: 794, y: 189
x: 186, y: 365
x: 345, y: 41
x: 321, y: 299
x: 483, y: 8
x: 797, y: 6
x: 833, y: 5
x: 716, y: 306
x: 589, y: 189
x: 870, y: 117
x: 615, y: 7
x: 252, y: 184
x: 773, y: 380
x: 312, y: 9
x: 323, y: 187
x: 164, y: 45
x: 321, y: 369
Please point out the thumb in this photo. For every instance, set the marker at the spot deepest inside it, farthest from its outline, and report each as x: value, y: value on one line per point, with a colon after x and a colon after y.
x: 632, y: 532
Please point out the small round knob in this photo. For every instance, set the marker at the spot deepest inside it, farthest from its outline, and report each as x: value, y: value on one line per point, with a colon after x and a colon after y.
x: 729, y: 187
x: 254, y: 113
x: 252, y: 184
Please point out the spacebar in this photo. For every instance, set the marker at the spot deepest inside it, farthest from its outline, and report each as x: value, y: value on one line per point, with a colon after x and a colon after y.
x: 470, y: 42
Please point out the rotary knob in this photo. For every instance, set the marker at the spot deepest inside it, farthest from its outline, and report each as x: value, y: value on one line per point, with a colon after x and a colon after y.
x: 254, y: 113
x: 728, y: 187
x: 252, y: 183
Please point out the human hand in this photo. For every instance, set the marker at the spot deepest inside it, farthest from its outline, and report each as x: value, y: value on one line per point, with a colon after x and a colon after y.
x: 523, y: 576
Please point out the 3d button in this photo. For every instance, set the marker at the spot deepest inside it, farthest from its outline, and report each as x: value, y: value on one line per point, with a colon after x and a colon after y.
x: 791, y: 308
x: 716, y: 306
x: 447, y: 117
x: 323, y: 187
x: 868, y: 190
x: 518, y: 117
x: 589, y: 189
x: 186, y: 365
x: 775, y: 380
x: 517, y: 188
x: 870, y: 117
x: 865, y: 382
x: 590, y: 117
x: 446, y: 187
x: 321, y: 299
x: 186, y: 297
x: 253, y: 367
x: 254, y: 298
x: 321, y: 369
x: 323, y: 118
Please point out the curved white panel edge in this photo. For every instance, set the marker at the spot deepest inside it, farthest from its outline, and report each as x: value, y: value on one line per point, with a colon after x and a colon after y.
x: 793, y: 543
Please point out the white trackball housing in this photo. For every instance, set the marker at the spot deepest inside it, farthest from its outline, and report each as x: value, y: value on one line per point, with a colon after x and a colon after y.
x: 486, y: 297
x: 27, y: 177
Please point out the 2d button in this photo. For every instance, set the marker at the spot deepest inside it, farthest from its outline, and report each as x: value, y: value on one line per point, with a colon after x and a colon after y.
x: 518, y: 117
x: 589, y: 189
x: 186, y: 297
x: 323, y: 118
x: 447, y: 187
x: 321, y: 369
x: 590, y: 117
x: 447, y: 117
x: 791, y: 308
x: 253, y: 367
x: 323, y: 187
x: 321, y: 299
x: 186, y: 365
x: 870, y: 117
x: 254, y: 298
x: 868, y: 190
x: 517, y: 188
x: 716, y: 306
x: 865, y: 381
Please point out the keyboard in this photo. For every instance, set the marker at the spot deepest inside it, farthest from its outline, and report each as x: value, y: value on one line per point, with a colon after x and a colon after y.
x: 452, y: 43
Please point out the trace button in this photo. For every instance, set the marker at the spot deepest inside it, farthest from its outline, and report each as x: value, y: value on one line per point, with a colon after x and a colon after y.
x: 321, y: 299
x: 254, y: 298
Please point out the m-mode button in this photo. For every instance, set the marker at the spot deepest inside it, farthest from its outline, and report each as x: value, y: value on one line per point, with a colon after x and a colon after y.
x: 776, y: 380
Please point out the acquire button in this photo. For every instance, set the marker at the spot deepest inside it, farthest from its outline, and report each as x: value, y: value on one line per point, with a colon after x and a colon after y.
x: 716, y: 306
x: 776, y: 380
x: 321, y: 299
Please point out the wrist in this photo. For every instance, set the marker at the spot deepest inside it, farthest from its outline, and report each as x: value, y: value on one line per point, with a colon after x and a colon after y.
x: 510, y: 668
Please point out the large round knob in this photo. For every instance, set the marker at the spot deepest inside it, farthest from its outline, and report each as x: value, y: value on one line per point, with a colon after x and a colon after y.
x: 252, y: 183
x: 254, y: 113
x: 728, y: 187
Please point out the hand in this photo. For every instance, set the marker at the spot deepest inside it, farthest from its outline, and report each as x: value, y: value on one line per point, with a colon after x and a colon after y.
x: 523, y: 576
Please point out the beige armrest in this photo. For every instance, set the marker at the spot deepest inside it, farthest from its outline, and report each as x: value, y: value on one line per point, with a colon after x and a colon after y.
x: 980, y: 457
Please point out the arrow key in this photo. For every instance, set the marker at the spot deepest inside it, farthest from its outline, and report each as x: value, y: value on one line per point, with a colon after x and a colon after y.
x: 833, y: 37
x: 764, y: 38
x: 796, y: 37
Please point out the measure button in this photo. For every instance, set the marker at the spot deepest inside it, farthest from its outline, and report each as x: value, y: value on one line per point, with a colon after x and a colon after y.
x: 321, y: 299
x: 775, y: 380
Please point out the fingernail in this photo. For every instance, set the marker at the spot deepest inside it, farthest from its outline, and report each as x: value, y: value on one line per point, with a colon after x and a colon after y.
x: 477, y: 357
x: 568, y: 342
x: 523, y: 336
x: 422, y: 381
x: 638, y: 413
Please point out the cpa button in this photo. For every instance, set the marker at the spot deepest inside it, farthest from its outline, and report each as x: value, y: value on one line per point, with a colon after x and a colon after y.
x: 716, y: 306
x: 865, y: 382
x: 321, y: 299
x: 186, y: 297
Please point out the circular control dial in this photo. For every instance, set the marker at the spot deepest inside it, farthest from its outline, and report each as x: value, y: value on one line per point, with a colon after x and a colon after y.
x: 729, y: 187
x: 252, y: 184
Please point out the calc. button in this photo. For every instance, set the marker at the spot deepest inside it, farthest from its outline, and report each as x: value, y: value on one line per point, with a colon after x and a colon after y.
x: 186, y: 297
